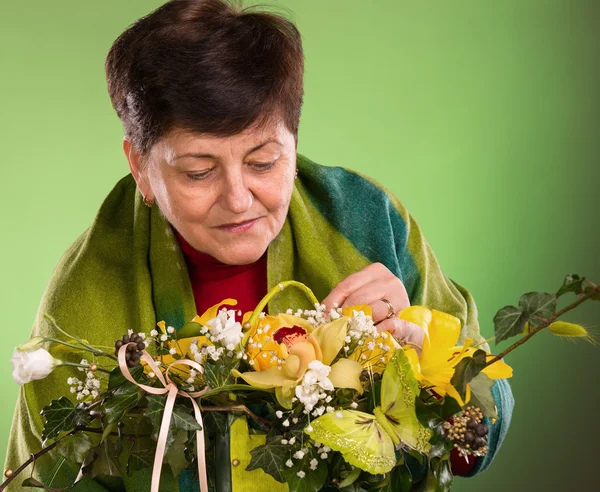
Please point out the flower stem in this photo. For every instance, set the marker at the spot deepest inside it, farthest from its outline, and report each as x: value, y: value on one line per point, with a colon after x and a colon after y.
x: 73, y: 364
x: 278, y: 288
x: 546, y: 323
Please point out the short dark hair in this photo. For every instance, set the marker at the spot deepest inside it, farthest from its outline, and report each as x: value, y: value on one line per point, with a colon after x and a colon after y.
x: 206, y: 66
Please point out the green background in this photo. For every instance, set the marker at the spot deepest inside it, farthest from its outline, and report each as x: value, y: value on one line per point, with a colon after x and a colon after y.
x: 482, y: 117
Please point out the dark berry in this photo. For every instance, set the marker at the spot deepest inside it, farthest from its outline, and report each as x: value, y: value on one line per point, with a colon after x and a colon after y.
x: 469, y: 437
x: 118, y: 344
x: 481, y: 430
x: 141, y: 346
x: 472, y: 424
x: 125, y: 338
x: 479, y: 442
x: 130, y: 348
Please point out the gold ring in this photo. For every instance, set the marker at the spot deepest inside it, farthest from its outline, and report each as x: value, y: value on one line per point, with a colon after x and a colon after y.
x: 412, y: 344
x: 391, y: 311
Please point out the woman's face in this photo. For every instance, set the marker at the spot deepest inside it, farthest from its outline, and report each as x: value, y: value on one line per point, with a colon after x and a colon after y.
x: 227, y: 196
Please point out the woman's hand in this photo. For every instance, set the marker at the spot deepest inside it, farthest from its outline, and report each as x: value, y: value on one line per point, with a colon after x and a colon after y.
x: 369, y: 286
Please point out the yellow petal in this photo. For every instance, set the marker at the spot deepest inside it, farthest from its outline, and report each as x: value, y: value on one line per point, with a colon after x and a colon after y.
x: 498, y: 369
x: 271, y: 378
x: 286, y: 392
x: 291, y: 367
x: 451, y: 391
x: 330, y: 338
x: 419, y: 315
x: 305, y: 352
x: 444, y: 329
x: 345, y: 373
x: 348, y: 311
x: 413, y: 359
x: 213, y: 311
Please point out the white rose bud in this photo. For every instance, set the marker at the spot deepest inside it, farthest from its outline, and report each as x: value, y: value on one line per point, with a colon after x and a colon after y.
x: 31, y: 344
x: 28, y: 366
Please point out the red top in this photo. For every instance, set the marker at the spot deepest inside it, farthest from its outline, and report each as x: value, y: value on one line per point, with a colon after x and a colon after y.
x: 213, y: 281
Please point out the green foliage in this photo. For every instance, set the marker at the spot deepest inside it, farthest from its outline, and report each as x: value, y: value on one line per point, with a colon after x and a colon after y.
x: 269, y: 457
x: 572, y: 283
x: 219, y: 374
x: 175, y: 456
x: 121, y: 401
x: 139, y: 460
x: 75, y: 447
x: 60, y: 416
x: 466, y: 370
x: 100, y: 461
x: 32, y: 482
x: 116, y: 378
x: 508, y: 322
x: 400, y: 481
x: 588, y: 290
x: 538, y: 305
x: 481, y: 395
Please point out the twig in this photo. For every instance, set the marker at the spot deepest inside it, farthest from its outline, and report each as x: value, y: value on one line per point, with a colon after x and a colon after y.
x: 34, y: 457
x: 545, y: 324
x: 241, y: 408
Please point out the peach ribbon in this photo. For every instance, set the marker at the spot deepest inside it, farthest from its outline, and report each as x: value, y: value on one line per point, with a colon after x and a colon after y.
x: 172, y: 391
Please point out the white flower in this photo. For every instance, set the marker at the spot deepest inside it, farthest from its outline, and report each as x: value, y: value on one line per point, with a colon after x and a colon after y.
x: 130, y: 332
x: 314, y: 463
x: 153, y: 333
x: 163, y: 338
x: 301, y: 474
x: 28, y: 366
x: 172, y: 350
x: 279, y: 414
x: 292, y: 441
x: 289, y: 463
x: 324, y: 456
x: 353, y: 405
x: 299, y: 454
x: 284, y: 442
x: 308, y: 428
x: 170, y: 329
x: 225, y: 329
x: 151, y: 374
x: 286, y: 423
x: 339, y: 415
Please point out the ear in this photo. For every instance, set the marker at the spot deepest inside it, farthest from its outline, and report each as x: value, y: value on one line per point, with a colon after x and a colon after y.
x: 138, y: 171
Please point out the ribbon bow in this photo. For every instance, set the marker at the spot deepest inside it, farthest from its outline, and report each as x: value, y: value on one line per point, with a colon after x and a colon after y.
x: 171, y: 388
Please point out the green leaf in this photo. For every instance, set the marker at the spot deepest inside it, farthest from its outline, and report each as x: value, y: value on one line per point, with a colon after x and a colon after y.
x: 75, y: 447
x: 270, y: 458
x: 190, y: 329
x: 572, y: 283
x: 100, y: 461
x: 435, y: 414
x: 175, y: 456
x: 219, y: 374
x: 182, y: 419
x: 466, y: 370
x: 442, y: 474
x: 508, y: 322
x: 59, y: 415
x: 121, y: 401
x: 401, y: 480
x: 481, y: 395
x: 538, y: 305
x: 32, y: 482
x: 140, y: 460
x: 116, y: 378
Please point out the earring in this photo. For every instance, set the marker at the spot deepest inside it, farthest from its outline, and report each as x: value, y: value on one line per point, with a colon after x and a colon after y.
x: 148, y: 203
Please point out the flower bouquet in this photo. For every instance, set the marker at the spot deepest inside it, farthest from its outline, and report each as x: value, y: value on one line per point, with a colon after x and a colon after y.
x: 333, y: 404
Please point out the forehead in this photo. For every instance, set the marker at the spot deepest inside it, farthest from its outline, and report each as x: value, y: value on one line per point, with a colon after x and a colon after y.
x: 180, y: 142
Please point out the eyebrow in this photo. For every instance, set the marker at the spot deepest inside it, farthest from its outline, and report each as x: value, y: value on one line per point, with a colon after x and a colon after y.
x: 211, y: 156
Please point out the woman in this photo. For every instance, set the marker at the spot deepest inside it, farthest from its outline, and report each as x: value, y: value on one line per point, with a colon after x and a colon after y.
x: 219, y: 204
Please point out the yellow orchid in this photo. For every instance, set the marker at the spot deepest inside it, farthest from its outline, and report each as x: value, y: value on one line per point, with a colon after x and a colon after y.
x: 440, y: 354
x: 262, y: 350
x: 303, y: 347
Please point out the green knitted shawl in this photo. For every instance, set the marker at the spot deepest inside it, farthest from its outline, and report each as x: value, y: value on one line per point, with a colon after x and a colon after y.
x: 127, y: 272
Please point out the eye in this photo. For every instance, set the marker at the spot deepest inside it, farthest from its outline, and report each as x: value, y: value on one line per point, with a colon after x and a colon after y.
x: 262, y: 166
x: 198, y: 176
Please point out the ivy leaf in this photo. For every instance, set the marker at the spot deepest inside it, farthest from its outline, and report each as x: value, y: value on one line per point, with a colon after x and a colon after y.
x: 538, y: 305
x: 121, y: 401
x: 481, y: 395
x: 435, y: 414
x: 401, y: 480
x: 442, y: 474
x: 466, y: 370
x: 100, y: 462
x: 75, y: 447
x: 182, y: 419
x: 175, y: 456
x: 218, y: 375
x: 508, y: 322
x: 270, y: 457
x: 116, y: 378
x: 572, y: 283
x: 32, y: 482
x: 59, y: 417
x: 140, y: 460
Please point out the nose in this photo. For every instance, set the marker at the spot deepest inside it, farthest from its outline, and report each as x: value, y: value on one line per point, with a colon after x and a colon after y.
x: 237, y: 197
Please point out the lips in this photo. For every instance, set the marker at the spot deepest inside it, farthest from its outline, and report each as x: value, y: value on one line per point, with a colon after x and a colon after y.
x: 238, y: 226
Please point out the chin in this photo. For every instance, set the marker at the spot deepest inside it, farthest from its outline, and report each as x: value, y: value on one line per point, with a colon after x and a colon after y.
x: 242, y: 257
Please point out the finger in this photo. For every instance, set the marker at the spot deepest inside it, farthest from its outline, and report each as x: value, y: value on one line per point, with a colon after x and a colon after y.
x: 351, y: 283
x: 403, y: 331
x: 371, y: 294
